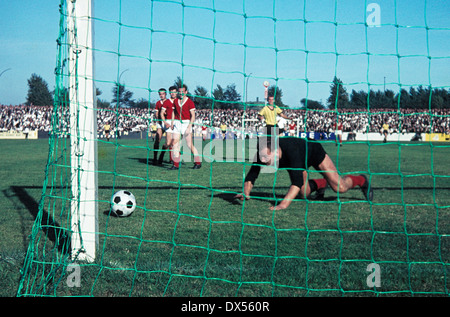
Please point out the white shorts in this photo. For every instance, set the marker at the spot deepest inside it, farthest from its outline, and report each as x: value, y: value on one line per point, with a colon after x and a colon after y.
x: 161, y: 125
x: 338, y: 132
x: 180, y: 127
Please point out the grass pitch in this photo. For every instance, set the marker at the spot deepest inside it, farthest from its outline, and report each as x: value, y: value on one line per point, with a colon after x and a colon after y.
x: 188, y: 237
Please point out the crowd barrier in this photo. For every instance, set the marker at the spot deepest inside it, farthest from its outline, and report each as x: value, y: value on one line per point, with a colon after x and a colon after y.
x: 346, y: 136
x: 18, y: 135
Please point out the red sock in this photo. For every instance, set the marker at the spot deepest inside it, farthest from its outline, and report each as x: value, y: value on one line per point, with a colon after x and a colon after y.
x: 357, y: 180
x: 321, y: 183
x: 176, y: 161
x: 197, y: 160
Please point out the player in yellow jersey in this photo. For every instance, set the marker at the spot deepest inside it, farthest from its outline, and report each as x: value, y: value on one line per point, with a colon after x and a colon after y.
x: 153, y: 129
x: 385, y: 131
x: 269, y: 114
x: 223, y: 128
x: 107, y: 129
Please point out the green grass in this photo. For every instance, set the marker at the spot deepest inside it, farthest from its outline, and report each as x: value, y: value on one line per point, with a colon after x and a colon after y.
x: 189, y: 238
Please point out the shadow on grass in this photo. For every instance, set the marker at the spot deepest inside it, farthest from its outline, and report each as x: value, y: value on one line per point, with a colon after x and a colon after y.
x: 51, y: 228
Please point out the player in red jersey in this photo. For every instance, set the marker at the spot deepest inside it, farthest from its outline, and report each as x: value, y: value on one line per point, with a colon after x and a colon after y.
x: 292, y: 127
x: 167, y: 122
x: 338, y: 132
x: 184, y: 117
x: 160, y: 128
x: 204, y: 132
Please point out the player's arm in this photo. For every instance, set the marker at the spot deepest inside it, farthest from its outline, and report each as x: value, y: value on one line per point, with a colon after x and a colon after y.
x: 296, y: 176
x: 250, y: 179
x: 248, y: 185
x: 281, y: 113
x: 261, y: 114
x: 290, y: 196
x: 163, y: 117
x: 191, y: 122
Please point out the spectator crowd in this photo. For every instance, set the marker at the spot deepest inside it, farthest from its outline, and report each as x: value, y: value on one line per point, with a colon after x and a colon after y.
x: 126, y: 120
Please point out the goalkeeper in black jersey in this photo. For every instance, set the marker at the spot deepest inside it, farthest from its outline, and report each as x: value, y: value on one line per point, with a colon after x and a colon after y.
x: 296, y: 156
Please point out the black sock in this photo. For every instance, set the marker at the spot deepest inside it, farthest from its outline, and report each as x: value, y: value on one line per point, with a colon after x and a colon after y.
x: 161, y: 156
x: 155, y: 150
x: 312, y: 185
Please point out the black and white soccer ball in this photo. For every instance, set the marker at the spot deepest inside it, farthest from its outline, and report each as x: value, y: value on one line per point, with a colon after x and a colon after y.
x: 123, y: 203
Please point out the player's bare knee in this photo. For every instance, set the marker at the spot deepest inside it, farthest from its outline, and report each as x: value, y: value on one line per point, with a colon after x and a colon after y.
x: 304, y: 192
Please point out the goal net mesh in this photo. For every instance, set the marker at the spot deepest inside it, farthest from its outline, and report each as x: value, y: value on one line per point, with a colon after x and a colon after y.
x: 188, y: 236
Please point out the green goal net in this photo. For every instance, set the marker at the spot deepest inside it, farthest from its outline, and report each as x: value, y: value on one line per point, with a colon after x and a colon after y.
x: 362, y: 64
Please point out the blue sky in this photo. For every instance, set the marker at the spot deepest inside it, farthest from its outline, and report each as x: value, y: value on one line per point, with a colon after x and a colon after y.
x: 241, y: 42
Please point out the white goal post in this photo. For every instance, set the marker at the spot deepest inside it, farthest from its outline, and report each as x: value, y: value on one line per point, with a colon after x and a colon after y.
x: 83, y: 131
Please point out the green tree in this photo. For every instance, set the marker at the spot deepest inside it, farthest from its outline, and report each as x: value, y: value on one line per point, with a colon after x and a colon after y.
x: 218, y: 95
x: 391, y: 102
x: 179, y: 82
x: 232, y: 96
x: 101, y: 103
x: 143, y: 103
x: 278, y: 95
x: 201, y: 98
x: 38, y: 93
x: 338, y: 95
x: 373, y: 100
x: 358, y: 99
x: 311, y: 104
x: 122, y: 96
x: 440, y: 98
x: 404, y: 99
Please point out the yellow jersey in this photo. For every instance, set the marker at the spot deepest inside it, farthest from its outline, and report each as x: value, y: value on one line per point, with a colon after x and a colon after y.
x: 385, y: 127
x: 270, y: 115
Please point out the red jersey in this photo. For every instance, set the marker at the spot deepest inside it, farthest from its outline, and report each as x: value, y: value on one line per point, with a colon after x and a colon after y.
x: 292, y: 126
x: 183, y: 110
x: 158, y: 107
x: 338, y: 127
x: 168, y: 106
